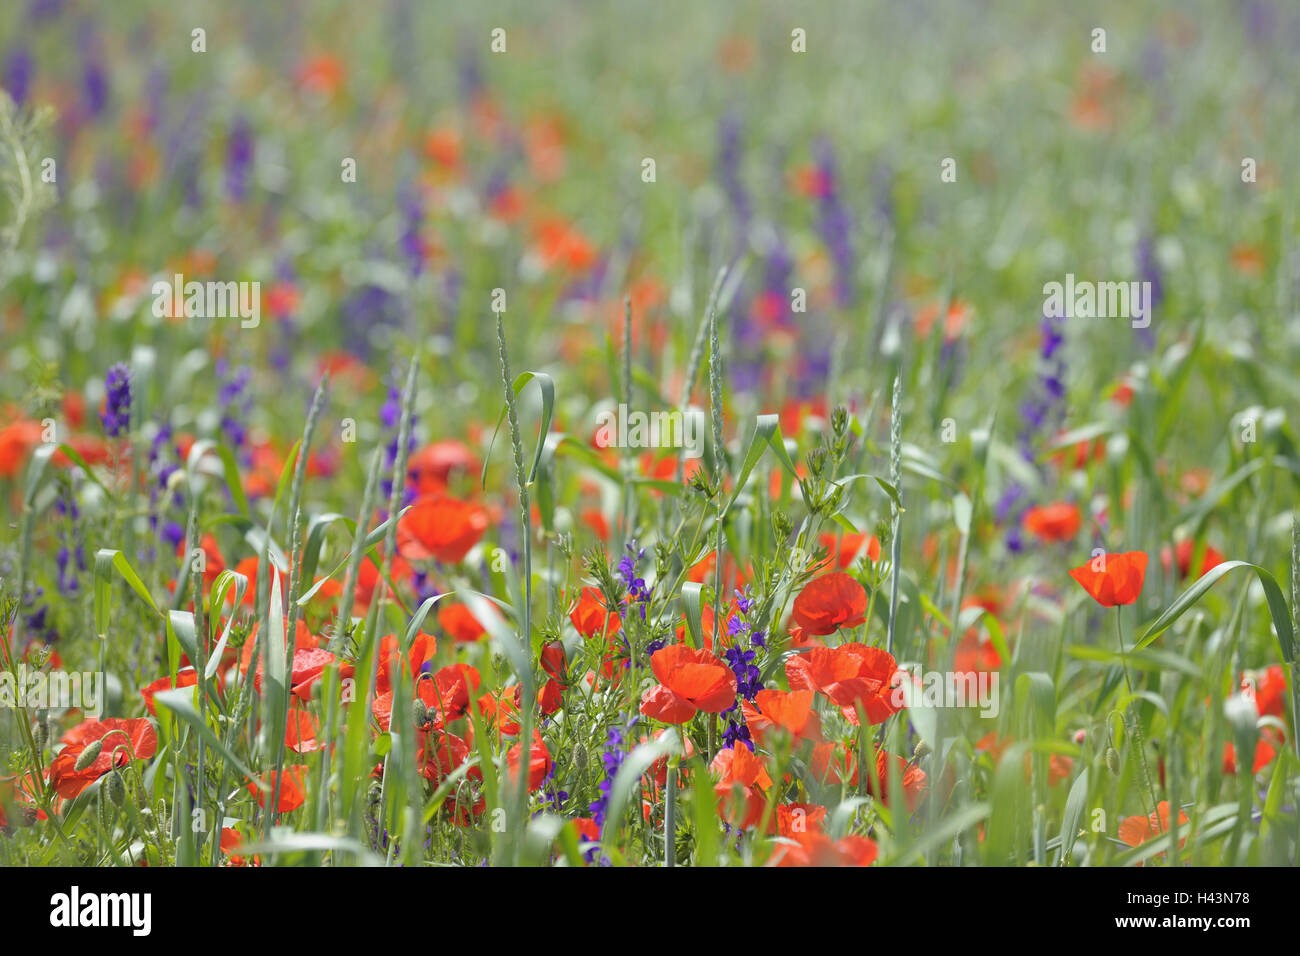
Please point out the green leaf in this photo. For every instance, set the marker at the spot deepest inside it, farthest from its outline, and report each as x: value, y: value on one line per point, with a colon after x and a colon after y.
x: 1074, y: 805
x: 766, y: 435
x: 106, y: 560
x: 547, y: 385
x: 692, y: 604
x: 180, y: 701
x: 1277, y: 607
x: 230, y: 468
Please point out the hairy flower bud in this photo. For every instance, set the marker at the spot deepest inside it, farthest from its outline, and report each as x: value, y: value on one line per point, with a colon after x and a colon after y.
x: 115, y: 788
x: 89, y: 755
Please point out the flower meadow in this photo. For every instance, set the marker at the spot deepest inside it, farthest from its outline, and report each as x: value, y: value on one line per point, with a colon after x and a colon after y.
x: 650, y: 435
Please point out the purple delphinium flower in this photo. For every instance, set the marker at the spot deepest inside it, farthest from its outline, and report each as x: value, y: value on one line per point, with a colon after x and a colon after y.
x: 17, y: 74
x: 553, y: 798
x: 390, y: 416
x: 235, y: 401
x: 116, y: 417
x: 1149, y: 271
x: 835, y: 223
x: 71, y: 557
x: 239, y: 158
x: 409, y: 243
x: 612, y: 759
x: 1261, y: 21
x: 1042, y: 414
x: 729, y: 157
x: 366, y: 309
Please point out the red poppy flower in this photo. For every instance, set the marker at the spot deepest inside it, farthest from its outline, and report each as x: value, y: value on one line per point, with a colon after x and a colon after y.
x: 1137, y: 830
x: 369, y: 579
x: 308, y: 667
x: 588, y: 829
x: 423, y: 649
x: 559, y: 243
x: 551, y: 697
x: 829, y: 603
x: 975, y: 654
x: 849, y: 674
x: 690, y: 680
x: 1054, y: 522
x: 248, y: 567
x: 231, y: 841
x: 845, y: 548
x: 1268, y: 691
x: 817, y: 849
x: 590, y: 615
x: 792, y: 819
x: 502, y: 709
x: 539, y: 761
x: 1182, y: 555
x: 213, y: 564
x: 293, y: 788
x: 792, y: 711
x: 440, y: 527
x: 741, y: 781
x: 123, y: 740
x: 431, y: 468
x: 447, y: 695
x: 913, y: 779
x: 1119, y: 581
x: 300, y: 733
x: 303, y: 639
x: 446, y: 754
x: 459, y: 621
x: 187, y: 677
x: 16, y: 441
x: 1266, y: 748
x: 708, y: 626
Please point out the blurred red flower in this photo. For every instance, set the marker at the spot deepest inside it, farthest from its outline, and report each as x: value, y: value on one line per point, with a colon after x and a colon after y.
x: 440, y: 527
x: 829, y: 603
x: 1113, y: 579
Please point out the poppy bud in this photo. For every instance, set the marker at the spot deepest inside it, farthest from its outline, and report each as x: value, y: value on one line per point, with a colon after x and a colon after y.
x: 421, y: 714
x: 115, y: 788
x: 922, y: 749
x: 40, y: 734
x: 1112, y: 760
x: 580, y: 757
x: 146, y: 817
x: 89, y: 755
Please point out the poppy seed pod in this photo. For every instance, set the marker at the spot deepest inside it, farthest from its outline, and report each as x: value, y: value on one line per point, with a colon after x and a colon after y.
x: 115, y: 788
x: 89, y: 755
